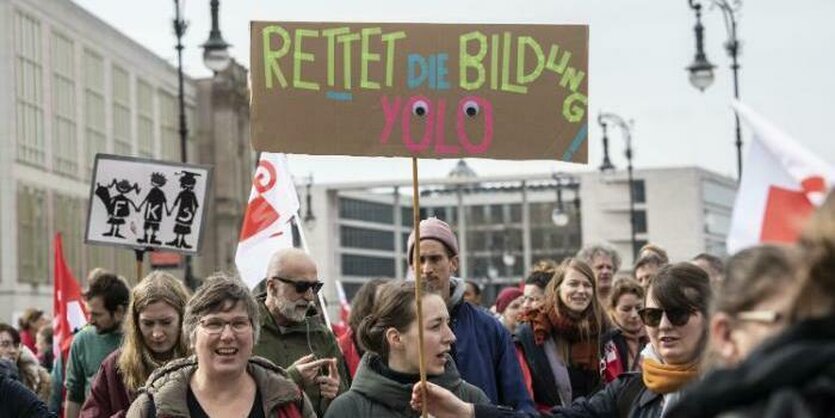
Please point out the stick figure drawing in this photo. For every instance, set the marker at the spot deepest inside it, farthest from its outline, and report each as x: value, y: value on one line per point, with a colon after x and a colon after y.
x: 118, y: 206
x: 154, y: 204
x: 186, y: 204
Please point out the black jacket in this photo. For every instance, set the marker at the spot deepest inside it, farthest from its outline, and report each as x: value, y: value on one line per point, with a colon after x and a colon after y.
x: 792, y: 375
x: 583, y: 382
x: 17, y: 400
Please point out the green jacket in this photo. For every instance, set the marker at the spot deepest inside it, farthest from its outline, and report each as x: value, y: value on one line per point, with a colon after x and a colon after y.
x: 167, y: 389
x: 284, y: 345
x: 87, y: 352
x: 374, y: 395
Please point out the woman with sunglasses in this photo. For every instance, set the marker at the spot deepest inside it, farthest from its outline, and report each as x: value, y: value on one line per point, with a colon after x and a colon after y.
x: 382, y: 386
x: 222, y: 378
x: 560, y: 339
x: 151, y: 338
x: 792, y: 373
x: 675, y: 318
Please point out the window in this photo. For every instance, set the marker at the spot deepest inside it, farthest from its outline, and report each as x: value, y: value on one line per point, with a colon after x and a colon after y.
x: 169, y: 116
x: 121, y: 112
x: 639, y: 191
x: 32, y: 235
x: 366, y: 211
x: 69, y: 220
x: 366, y: 238
x: 718, y: 194
x: 94, y: 121
x: 29, y: 90
x: 365, y: 266
x: 64, y: 141
x: 145, y: 119
x: 640, y: 221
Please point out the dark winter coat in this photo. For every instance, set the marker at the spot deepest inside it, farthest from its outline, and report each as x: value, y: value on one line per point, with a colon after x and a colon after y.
x: 373, y: 394
x: 484, y: 353
x: 583, y: 382
x: 17, y: 399
x: 792, y: 375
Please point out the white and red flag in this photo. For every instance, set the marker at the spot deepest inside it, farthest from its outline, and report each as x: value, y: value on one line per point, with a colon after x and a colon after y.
x: 273, y: 202
x: 68, y: 311
x: 781, y: 186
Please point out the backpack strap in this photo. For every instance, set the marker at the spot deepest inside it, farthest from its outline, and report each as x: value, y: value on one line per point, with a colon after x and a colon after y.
x: 629, y: 394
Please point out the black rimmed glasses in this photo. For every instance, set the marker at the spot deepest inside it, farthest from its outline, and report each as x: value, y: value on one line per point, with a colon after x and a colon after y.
x: 652, y: 316
x: 301, y: 286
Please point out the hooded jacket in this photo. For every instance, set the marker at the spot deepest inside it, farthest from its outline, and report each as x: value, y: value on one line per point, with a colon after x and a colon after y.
x: 484, y: 353
x: 790, y: 375
x: 375, y: 395
x: 284, y: 345
x: 167, y: 389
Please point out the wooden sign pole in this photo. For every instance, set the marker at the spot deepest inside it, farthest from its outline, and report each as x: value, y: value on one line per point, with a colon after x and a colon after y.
x: 418, y: 281
x: 140, y: 257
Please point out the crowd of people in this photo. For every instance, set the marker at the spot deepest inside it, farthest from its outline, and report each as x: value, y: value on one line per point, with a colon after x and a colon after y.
x: 750, y: 336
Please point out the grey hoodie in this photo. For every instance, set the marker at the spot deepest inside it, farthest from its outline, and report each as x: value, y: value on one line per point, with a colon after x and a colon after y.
x: 375, y: 395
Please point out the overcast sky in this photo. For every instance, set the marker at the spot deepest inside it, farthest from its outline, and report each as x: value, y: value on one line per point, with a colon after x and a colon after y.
x: 638, y: 51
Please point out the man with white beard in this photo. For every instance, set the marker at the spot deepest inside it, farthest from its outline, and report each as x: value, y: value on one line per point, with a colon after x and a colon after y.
x: 292, y: 334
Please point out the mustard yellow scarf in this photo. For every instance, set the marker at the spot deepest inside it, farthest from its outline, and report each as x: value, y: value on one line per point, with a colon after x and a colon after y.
x: 665, y: 378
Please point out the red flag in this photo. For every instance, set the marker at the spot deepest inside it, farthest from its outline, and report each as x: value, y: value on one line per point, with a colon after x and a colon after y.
x: 68, y: 311
x: 782, y: 184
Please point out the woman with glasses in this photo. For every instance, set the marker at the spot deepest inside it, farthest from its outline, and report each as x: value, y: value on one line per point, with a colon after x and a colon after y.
x: 382, y: 386
x: 222, y: 378
x: 152, y: 338
x: 676, y: 322
x: 560, y: 339
x: 31, y: 373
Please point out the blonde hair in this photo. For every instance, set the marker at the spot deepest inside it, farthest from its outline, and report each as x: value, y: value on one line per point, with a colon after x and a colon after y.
x: 135, y: 361
x: 817, y: 284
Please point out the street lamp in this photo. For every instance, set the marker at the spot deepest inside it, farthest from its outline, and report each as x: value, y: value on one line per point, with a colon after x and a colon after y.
x: 216, y: 50
x: 309, y: 218
x: 559, y: 216
x: 215, y: 47
x: 701, y: 70
x: 602, y: 119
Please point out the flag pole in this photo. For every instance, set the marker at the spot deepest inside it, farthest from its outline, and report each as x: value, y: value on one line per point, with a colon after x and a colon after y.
x: 305, y: 248
x: 140, y: 258
x: 418, y: 281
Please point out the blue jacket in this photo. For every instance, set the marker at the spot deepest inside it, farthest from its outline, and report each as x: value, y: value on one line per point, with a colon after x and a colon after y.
x: 484, y: 353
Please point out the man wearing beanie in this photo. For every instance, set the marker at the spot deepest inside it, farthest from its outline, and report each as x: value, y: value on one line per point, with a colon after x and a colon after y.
x: 483, y: 351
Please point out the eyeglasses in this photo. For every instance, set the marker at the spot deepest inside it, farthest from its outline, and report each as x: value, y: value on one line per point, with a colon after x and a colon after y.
x: 301, y: 286
x: 769, y: 317
x: 652, y: 316
x: 216, y: 325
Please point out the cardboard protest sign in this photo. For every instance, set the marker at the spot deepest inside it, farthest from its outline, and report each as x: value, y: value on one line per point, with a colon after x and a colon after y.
x: 141, y: 203
x: 420, y: 90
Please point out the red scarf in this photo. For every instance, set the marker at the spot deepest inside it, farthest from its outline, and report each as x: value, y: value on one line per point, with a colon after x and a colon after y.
x: 583, y: 350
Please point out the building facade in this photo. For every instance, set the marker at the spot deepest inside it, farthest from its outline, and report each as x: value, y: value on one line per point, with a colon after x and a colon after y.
x: 506, y: 224
x: 72, y: 86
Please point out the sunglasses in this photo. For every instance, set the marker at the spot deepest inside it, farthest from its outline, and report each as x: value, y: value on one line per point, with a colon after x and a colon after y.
x: 652, y: 316
x: 301, y: 286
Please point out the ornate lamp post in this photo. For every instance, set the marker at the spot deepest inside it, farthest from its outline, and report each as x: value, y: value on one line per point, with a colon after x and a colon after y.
x: 701, y: 70
x: 603, y: 119
x: 216, y: 57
